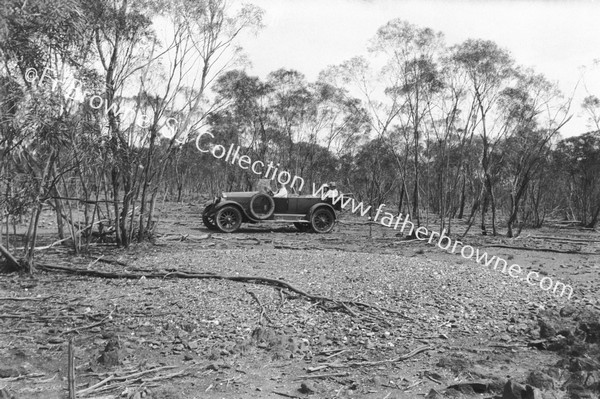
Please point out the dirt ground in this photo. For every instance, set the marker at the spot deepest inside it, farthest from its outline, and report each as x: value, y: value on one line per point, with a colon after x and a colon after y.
x: 436, y: 325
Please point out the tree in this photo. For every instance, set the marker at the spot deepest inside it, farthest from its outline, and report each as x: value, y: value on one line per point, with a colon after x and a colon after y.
x: 489, y: 69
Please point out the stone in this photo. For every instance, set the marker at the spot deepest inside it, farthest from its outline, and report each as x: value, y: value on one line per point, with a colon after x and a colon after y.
x: 7, y: 372
x: 306, y: 388
x: 567, y: 311
x: 4, y: 394
x: 540, y: 380
x: 110, y: 358
x: 547, y: 330
x: 532, y: 393
x: 513, y: 390
x: 433, y: 394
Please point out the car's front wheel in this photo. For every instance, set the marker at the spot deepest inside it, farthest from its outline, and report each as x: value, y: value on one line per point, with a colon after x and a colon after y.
x: 209, y: 221
x: 322, y: 220
x: 228, y: 219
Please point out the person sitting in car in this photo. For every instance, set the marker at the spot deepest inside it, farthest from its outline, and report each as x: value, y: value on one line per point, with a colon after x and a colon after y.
x: 282, y: 192
x: 333, y: 192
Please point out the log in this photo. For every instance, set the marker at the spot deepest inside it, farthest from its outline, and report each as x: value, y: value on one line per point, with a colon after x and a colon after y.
x: 13, y: 263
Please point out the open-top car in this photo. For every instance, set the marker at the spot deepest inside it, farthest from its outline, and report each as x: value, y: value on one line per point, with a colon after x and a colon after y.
x: 306, y: 212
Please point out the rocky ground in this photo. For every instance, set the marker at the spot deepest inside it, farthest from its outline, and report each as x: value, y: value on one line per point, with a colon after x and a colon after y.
x: 393, y: 318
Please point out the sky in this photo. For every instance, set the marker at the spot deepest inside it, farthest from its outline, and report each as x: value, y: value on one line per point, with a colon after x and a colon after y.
x: 560, y: 39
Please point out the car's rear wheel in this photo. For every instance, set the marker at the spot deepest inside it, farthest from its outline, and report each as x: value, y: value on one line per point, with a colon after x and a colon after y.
x: 303, y: 227
x: 262, y: 206
x: 322, y: 220
x: 228, y: 219
x: 209, y: 221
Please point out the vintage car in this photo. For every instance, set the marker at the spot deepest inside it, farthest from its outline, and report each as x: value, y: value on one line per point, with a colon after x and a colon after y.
x: 306, y: 212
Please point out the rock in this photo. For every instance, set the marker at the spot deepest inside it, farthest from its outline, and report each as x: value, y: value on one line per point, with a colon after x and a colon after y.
x: 7, y: 372
x: 547, y: 330
x: 56, y: 340
x: 513, y: 390
x: 552, y: 395
x: 110, y: 358
x: 111, y: 355
x: 454, y: 363
x: 4, y: 394
x: 471, y: 387
x: 540, y: 380
x: 567, y: 311
x: 306, y: 388
x: 577, y: 391
x: 433, y: 394
x: 532, y: 393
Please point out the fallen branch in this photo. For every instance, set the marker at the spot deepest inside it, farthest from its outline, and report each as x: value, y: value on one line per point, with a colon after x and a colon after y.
x: 193, y: 275
x: 262, y: 308
x: 542, y: 249
x: 13, y: 264
x: 302, y: 377
x: 97, y: 387
x: 398, y: 359
x: 574, y: 240
x: 8, y: 298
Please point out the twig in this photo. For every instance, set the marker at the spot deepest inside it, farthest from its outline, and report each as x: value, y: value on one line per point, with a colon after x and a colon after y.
x: 95, y: 386
x: 21, y: 377
x: 90, y: 325
x: 285, y: 394
x: 336, y: 354
x: 8, y: 298
x: 322, y: 375
x: 262, y: 308
x: 71, y: 375
x: 398, y: 359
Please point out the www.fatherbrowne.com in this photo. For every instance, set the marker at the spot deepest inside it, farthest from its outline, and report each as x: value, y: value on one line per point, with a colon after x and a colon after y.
x: 444, y: 242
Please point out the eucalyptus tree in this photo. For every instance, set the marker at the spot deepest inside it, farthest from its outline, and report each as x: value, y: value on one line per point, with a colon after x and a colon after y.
x: 413, y: 78
x: 39, y: 43
x: 578, y: 160
x: 533, y: 111
x: 490, y: 69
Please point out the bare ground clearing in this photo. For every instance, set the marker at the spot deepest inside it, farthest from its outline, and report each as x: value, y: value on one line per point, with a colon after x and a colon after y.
x: 457, y: 321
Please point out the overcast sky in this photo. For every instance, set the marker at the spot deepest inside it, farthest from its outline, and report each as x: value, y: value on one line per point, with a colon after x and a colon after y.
x: 556, y: 38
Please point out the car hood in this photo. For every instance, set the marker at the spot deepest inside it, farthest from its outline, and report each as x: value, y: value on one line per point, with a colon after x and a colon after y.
x: 238, y: 194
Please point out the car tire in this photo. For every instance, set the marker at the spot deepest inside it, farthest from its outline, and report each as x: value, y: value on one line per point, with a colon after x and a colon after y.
x: 209, y: 221
x: 302, y: 227
x: 264, y: 201
x: 228, y: 219
x: 322, y: 220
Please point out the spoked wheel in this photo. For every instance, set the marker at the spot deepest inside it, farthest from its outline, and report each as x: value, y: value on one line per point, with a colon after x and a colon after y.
x: 209, y: 221
x: 322, y: 220
x: 228, y: 219
x: 303, y: 227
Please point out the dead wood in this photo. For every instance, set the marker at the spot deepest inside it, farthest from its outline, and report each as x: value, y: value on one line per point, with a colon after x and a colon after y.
x: 321, y: 376
x: 8, y: 298
x: 262, y: 309
x: 193, y: 275
x: 559, y: 251
x: 184, y: 237
x: 13, y: 263
x: 566, y: 239
x: 376, y: 363
x: 71, y: 370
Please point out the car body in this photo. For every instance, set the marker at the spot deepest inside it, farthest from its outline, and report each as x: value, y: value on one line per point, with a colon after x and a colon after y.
x: 307, y: 212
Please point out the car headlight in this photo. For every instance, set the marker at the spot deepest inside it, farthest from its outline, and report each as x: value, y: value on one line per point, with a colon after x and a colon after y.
x: 224, y: 195
x: 217, y: 200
